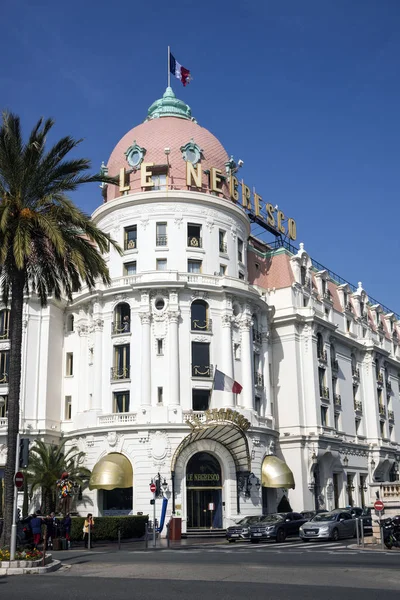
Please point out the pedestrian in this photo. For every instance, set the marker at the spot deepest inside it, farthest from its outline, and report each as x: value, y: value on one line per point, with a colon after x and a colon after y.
x: 36, y: 526
x: 88, y: 525
x: 67, y: 522
x: 50, y: 531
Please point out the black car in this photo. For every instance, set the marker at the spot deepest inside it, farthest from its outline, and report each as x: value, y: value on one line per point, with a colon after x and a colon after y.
x: 241, y: 531
x: 277, y: 526
x: 360, y: 513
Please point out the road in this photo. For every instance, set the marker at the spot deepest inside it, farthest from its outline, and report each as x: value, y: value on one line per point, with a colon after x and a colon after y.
x: 283, y: 571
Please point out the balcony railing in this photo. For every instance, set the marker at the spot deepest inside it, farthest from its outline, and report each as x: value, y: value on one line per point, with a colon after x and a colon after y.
x: 259, y: 379
x: 358, y: 406
x: 120, y: 373
x: 327, y: 295
x: 391, y: 415
x: 382, y: 411
x: 324, y: 393
x: 256, y: 336
x: 201, y: 325
x: 355, y: 373
x: 388, y: 386
x: 161, y: 240
x: 3, y: 377
x: 323, y: 356
x: 205, y: 371
x: 379, y: 379
x: 337, y: 400
x: 130, y: 244
x: 5, y: 334
x: 223, y: 247
x: 195, y: 242
x: 117, y: 418
x: 335, y: 365
x: 3, y: 422
x: 120, y: 327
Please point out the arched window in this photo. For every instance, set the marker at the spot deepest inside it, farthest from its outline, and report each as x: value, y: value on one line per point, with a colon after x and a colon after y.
x: 122, y: 318
x: 256, y: 330
x: 70, y: 323
x: 199, y: 317
x: 4, y: 324
x: 320, y: 346
x: 303, y: 275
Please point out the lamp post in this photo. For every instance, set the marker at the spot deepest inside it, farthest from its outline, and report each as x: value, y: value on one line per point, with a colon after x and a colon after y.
x: 161, y: 488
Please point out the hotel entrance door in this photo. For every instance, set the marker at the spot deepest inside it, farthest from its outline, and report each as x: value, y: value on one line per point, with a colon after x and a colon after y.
x: 204, y: 492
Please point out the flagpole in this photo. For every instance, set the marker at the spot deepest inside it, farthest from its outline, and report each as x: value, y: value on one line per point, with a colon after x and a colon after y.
x: 169, y: 71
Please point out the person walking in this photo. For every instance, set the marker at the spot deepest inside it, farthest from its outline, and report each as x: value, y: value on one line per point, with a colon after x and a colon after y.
x: 36, y: 527
x: 88, y: 525
x: 67, y: 522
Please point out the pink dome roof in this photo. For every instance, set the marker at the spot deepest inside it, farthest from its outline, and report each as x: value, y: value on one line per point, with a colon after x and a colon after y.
x: 171, y: 132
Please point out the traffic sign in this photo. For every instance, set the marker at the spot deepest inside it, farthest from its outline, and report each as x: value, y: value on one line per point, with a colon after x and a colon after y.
x: 153, y: 488
x: 19, y: 479
x: 379, y: 506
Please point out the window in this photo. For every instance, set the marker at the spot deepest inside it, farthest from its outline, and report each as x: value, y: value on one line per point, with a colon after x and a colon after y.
x: 320, y: 346
x: 69, y: 367
x: 222, y: 242
x: 240, y: 250
x: 382, y: 428
x: 161, y: 264
x: 358, y: 423
x: 337, y: 422
x: 257, y: 404
x: 70, y: 323
x: 130, y: 268
x: 4, y: 324
x: 199, y: 316
x: 3, y: 406
x: 348, y: 325
x: 160, y: 347
x: 121, y: 402
x: 122, y: 318
x: 194, y: 235
x: 130, y: 237
x: 201, y: 360
x: 345, y: 299
x: 303, y: 275
x: 200, y: 399
x: 194, y: 266
x: 159, y: 182
x: 161, y: 234
x: 305, y: 301
x: 241, y: 275
x: 121, y: 368
x: 236, y: 351
x: 222, y: 270
x: 159, y: 395
x: 324, y: 416
x: 391, y: 435
x: 323, y: 285
x: 68, y: 405
x: 4, y: 365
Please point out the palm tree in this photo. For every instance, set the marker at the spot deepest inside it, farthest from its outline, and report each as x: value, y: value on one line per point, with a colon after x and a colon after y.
x: 47, y: 245
x: 46, y: 464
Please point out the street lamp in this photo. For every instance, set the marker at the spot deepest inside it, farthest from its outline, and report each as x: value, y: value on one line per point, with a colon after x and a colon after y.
x: 164, y: 485
x: 346, y: 461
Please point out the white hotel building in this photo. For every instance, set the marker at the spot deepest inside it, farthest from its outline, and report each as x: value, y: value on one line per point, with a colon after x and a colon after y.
x: 125, y: 372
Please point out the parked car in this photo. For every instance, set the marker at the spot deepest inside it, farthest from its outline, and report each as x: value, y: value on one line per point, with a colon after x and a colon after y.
x: 276, y: 526
x: 310, y: 514
x: 241, y: 531
x: 360, y: 513
x: 329, y: 525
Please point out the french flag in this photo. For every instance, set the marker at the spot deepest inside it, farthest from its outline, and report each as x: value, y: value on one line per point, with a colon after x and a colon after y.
x: 223, y: 383
x: 180, y: 72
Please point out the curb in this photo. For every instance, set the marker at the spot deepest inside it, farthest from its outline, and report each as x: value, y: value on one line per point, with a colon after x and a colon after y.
x: 372, y: 548
x: 53, y: 566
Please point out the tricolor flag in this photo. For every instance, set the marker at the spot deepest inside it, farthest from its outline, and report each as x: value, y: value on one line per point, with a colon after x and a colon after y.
x: 180, y: 72
x: 223, y: 383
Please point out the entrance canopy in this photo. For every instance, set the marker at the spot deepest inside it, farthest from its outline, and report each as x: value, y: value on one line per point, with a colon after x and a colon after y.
x: 112, y: 471
x: 276, y: 474
x: 229, y: 435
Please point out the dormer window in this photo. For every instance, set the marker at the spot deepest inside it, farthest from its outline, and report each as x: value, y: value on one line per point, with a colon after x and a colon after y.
x: 191, y: 152
x: 134, y: 155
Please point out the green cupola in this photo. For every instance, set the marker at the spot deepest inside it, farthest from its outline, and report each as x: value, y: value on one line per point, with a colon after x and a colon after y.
x: 169, y: 106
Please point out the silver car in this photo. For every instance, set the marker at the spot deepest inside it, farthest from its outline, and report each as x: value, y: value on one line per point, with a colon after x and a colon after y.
x: 331, y: 526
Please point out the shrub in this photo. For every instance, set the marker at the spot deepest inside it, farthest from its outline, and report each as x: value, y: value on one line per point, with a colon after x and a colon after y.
x: 106, y: 528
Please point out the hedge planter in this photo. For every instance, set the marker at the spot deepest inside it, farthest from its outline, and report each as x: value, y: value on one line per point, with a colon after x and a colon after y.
x: 106, y: 528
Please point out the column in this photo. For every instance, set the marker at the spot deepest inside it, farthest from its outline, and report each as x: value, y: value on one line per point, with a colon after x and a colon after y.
x: 98, y: 324
x: 247, y: 394
x: 266, y: 405
x: 82, y: 365
x: 173, y: 338
x: 145, y: 399
x: 227, y: 356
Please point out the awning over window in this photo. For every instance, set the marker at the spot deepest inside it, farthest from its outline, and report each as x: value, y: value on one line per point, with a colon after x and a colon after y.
x: 112, y: 471
x: 230, y: 436
x: 276, y: 474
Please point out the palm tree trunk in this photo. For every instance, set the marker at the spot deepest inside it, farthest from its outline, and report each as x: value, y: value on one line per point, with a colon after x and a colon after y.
x: 17, y: 302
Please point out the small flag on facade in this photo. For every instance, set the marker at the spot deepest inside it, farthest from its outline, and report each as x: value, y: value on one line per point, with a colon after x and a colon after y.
x: 223, y: 383
x: 180, y: 72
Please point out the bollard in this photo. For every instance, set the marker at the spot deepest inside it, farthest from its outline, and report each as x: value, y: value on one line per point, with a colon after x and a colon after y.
x: 358, y: 531
x: 362, y: 534
x: 382, y: 535
x: 168, y: 536
x: 119, y: 538
x: 146, y: 528
x: 44, y: 547
x: 89, y: 536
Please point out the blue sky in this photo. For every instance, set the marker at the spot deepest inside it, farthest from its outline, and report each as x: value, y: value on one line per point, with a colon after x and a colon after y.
x: 306, y: 93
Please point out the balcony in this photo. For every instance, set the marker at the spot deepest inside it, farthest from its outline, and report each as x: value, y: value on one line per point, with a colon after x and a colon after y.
x: 120, y: 328
x: 161, y: 240
x: 337, y: 400
x: 358, y: 406
x: 256, y: 336
x: 201, y: 325
x: 130, y: 245
x: 388, y: 386
x: 3, y: 422
x: 379, y: 380
x: 356, y: 374
x: 259, y: 380
x: 223, y: 248
x: 3, y: 377
x: 117, y: 419
x: 323, y: 356
x: 335, y: 365
x: 324, y: 393
x: 195, y: 242
x: 382, y: 411
x: 118, y: 373
x: 203, y: 371
x: 391, y: 415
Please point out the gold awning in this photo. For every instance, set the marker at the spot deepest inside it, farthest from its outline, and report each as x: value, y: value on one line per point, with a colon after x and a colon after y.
x: 276, y: 474
x: 112, y: 471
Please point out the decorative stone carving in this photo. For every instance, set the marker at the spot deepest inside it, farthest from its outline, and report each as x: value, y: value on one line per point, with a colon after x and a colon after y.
x: 159, y: 446
x: 173, y: 316
x: 271, y: 447
x: 121, y: 341
x: 112, y: 438
x: 82, y: 329
x: 178, y: 219
x: 145, y: 318
x: 246, y: 323
x: 97, y: 325
x: 4, y: 346
x: 226, y: 320
x: 200, y: 338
